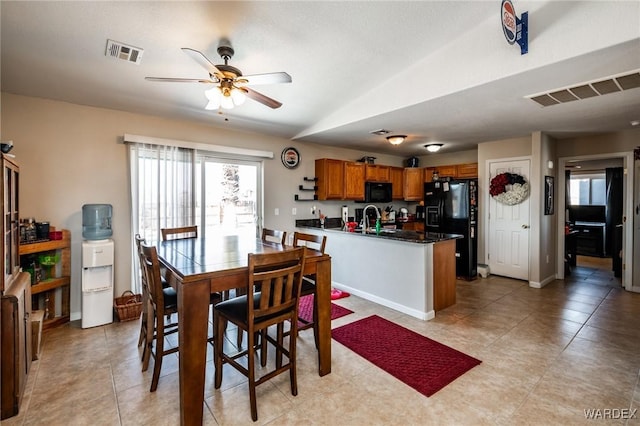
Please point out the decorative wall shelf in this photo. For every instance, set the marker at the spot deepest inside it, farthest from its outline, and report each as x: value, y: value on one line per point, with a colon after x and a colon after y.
x: 312, y: 189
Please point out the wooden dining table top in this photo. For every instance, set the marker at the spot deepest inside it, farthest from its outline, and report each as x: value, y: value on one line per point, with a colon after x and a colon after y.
x: 194, y: 258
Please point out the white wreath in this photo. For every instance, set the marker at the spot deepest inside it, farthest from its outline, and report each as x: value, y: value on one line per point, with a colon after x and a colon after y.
x: 517, y: 194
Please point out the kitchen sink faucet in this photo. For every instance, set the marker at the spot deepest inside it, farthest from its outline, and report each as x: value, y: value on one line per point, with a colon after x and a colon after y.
x: 365, y: 221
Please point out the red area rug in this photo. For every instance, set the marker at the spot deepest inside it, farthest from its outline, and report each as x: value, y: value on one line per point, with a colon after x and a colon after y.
x: 422, y: 363
x: 305, y: 310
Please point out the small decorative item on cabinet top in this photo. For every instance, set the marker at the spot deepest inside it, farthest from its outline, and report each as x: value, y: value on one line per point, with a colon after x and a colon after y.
x: 290, y: 157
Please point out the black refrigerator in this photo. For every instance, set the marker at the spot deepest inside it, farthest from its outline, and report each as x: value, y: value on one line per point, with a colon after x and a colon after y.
x: 451, y: 207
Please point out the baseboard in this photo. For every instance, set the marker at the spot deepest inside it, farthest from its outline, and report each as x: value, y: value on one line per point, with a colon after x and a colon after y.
x: 425, y: 316
x: 535, y: 284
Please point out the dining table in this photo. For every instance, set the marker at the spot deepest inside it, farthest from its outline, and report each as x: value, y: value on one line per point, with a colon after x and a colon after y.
x: 196, y: 267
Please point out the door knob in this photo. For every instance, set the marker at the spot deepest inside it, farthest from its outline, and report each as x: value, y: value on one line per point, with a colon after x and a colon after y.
x: 525, y: 226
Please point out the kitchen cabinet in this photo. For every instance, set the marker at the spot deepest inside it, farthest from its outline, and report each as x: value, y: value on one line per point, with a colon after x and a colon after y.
x: 457, y: 171
x: 467, y: 171
x: 376, y: 173
x: 330, y: 175
x: 428, y: 173
x: 444, y: 274
x: 15, y: 299
x: 57, y: 278
x: 413, y: 226
x: 447, y: 171
x: 396, y: 176
x: 413, y: 184
x: 590, y: 238
x: 354, y: 180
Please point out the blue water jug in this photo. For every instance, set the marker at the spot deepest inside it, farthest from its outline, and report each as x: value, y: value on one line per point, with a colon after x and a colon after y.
x: 96, y: 221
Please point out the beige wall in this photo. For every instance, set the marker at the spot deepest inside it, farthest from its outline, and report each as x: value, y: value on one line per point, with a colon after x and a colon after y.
x: 70, y: 155
x: 444, y: 159
x: 624, y: 141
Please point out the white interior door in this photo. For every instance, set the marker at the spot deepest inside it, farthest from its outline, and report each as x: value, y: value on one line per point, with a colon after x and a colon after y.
x: 508, y: 249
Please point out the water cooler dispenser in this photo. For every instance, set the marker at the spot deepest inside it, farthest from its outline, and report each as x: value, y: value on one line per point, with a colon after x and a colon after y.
x: 97, y: 265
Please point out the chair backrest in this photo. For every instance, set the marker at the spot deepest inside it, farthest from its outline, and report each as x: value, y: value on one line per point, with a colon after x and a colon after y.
x: 315, y: 242
x: 139, y: 241
x: 275, y: 236
x: 278, y: 278
x: 179, y: 233
x: 151, y: 273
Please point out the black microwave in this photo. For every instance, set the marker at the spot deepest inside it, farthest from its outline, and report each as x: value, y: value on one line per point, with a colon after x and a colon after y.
x: 378, y: 192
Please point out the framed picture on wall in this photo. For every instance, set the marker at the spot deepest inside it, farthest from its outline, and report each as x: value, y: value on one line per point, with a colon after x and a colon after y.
x: 548, y: 195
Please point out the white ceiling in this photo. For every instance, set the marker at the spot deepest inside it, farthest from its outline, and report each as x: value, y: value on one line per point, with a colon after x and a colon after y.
x: 436, y: 71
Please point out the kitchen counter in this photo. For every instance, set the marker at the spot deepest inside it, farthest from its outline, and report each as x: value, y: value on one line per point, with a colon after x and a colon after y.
x: 407, y: 271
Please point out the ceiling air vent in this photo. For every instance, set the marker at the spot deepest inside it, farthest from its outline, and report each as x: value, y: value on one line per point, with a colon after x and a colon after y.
x: 589, y: 89
x: 380, y: 132
x: 117, y: 50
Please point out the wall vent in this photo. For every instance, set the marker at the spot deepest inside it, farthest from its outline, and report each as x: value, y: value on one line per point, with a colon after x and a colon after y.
x: 627, y: 81
x: 117, y: 50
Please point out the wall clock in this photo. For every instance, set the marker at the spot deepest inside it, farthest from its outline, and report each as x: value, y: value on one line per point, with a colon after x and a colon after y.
x: 290, y: 157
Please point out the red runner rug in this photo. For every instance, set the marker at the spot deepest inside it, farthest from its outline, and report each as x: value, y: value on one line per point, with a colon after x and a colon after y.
x: 422, y: 363
x: 305, y: 310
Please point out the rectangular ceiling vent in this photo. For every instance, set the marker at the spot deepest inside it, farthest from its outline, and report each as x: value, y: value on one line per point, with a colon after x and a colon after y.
x: 590, y: 89
x: 380, y: 132
x: 117, y: 50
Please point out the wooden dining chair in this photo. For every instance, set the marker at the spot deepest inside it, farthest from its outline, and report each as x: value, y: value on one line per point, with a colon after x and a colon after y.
x: 144, y: 331
x: 270, y: 236
x: 179, y: 232
x: 162, y: 301
x: 279, y: 277
x: 185, y: 232
x: 315, y: 242
x: 274, y: 236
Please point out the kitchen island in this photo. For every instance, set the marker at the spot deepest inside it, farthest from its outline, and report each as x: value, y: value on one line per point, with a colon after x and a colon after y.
x: 411, y: 272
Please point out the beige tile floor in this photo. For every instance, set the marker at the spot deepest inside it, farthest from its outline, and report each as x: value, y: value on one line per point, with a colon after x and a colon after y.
x: 548, y: 354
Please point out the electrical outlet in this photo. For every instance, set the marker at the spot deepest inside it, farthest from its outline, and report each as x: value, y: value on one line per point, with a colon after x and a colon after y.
x: 294, y: 211
x: 547, y: 258
x: 313, y: 210
x: 276, y: 211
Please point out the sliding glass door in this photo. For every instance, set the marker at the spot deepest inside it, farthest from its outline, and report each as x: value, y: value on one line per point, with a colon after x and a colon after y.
x: 228, y: 196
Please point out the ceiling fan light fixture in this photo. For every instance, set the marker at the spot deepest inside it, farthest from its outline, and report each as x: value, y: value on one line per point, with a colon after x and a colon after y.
x: 396, y: 139
x: 433, y: 147
x: 238, y: 96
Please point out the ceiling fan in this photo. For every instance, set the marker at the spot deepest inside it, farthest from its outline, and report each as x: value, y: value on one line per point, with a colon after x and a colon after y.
x: 230, y: 85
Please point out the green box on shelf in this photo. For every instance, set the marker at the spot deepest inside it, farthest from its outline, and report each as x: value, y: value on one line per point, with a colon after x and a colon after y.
x: 49, y: 259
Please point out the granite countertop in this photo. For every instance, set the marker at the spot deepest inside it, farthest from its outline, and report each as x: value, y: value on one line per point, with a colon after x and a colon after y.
x: 389, y: 234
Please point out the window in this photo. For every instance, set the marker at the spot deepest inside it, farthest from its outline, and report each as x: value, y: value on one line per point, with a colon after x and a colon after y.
x: 588, y: 190
x: 173, y: 186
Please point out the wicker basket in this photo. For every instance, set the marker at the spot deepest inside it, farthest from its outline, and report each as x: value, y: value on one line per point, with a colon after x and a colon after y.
x: 128, y: 306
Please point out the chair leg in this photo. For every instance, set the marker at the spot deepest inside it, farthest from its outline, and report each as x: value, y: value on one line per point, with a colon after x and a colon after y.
x: 316, y: 336
x: 280, y: 340
x: 293, y: 377
x: 219, y: 325
x: 251, y: 365
x: 148, y: 347
x: 157, y: 359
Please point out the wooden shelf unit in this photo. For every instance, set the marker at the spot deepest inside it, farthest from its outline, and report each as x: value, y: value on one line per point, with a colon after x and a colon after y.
x: 44, y: 292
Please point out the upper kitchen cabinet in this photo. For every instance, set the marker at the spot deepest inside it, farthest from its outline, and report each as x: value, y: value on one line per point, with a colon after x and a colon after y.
x: 376, y: 173
x: 354, y: 180
x: 396, y: 175
x: 469, y: 170
x: 447, y: 171
x: 330, y: 175
x: 412, y: 184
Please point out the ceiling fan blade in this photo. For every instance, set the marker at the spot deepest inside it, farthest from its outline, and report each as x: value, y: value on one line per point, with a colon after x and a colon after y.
x: 259, y: 97
x: 268, y: 78
x: 180, y: 80
x: 203, y: 61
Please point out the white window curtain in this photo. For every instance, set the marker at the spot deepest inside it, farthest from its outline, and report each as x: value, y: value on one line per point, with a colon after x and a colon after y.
x: 162, y: 192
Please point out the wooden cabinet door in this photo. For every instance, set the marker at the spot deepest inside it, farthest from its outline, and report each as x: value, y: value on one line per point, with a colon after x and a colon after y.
x: 396, y: 176
x: 330, y: 174
x: 447, y: 171
x: 413, y: 184
x: 469, y: 170
x: 428, y: 173
x: 376, y: 173
x: 353, y: 180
